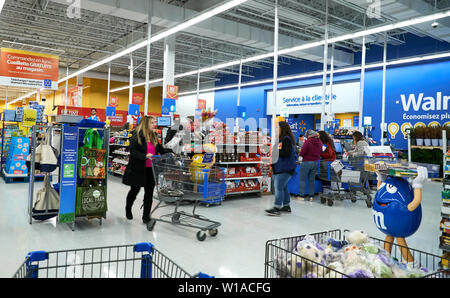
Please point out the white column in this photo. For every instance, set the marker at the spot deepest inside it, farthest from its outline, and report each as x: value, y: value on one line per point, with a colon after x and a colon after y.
x: 109, y: 84
x: 147, y: 67
x: 275, y: 77
x: 331, y: 81
x: 169, y: 63
x: 130, y: 90
x: 383, y: 100
x: 325, y: 69
x: 67, y: 91
x: 362, y: 83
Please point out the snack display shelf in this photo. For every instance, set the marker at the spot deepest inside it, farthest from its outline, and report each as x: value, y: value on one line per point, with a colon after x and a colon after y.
x: 119, y: 161
x: 241, y: 192
x: 121, y: 153
x: 241, y: 178
x: 238, y: 162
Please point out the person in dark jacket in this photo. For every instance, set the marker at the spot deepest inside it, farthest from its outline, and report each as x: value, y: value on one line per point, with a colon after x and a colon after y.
x: 311, y: 151
x: 143, y: 145
x: 283, y: 168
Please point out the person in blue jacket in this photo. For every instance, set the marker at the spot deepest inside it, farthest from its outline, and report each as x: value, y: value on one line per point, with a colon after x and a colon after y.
x: 284, y: 158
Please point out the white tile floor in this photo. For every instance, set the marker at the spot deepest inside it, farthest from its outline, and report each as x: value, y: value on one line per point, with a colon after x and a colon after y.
x: 237, y: 251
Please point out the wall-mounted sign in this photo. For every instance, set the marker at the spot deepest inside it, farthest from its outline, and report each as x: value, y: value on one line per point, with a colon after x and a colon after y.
x: 308, y: 100
x: 28, y: 69
x: 75, y: 96
x: 172, y: 92
x: 113, y: 101
x: 201, y: 104
x: 168, y: 106
x: 138, y: 98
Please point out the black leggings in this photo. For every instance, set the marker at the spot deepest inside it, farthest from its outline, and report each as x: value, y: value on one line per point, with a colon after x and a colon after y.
x: 148, y: 195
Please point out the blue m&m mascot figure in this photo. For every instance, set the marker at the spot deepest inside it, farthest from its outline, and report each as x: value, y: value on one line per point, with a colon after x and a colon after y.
x: 396, y: 209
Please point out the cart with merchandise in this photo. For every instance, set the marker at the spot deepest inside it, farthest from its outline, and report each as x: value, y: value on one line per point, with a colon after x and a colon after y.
x: 141, y: 260
x: 352, y: 173
x: 181, y: 179
x: 330, y: 254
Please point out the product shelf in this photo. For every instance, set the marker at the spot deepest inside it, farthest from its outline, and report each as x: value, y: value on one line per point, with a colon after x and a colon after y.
x: 242, y: 178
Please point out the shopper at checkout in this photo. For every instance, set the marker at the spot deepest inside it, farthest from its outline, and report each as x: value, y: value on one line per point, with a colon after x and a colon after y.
x: 310, y: 153
x: 328, y: 148
x: 360, y: 145
x: 283, y: 167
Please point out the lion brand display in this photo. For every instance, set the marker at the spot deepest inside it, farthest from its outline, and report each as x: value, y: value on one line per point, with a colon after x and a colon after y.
x: 28, y: 69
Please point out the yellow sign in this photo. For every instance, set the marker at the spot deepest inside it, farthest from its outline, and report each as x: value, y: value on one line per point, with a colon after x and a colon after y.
x: 404, y: 127
x: 29, y: 117
x: 393, y: 129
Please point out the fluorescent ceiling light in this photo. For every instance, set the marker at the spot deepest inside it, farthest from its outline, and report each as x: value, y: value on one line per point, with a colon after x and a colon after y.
x: 195, y: 20
x: 231, y: 4
x: 137, y: 85
x: 320, y: 73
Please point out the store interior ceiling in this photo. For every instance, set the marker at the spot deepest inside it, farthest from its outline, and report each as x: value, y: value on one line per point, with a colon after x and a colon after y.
x: 105, y: 27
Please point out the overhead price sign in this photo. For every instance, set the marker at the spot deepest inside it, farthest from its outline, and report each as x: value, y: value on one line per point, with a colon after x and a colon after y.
x: 28, y: 69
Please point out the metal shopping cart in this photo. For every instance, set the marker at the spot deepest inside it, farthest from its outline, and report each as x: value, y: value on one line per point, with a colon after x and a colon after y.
x: 141, y: 260
x: 178, y: 179
x: 279, y: 252
x: 350, y: 174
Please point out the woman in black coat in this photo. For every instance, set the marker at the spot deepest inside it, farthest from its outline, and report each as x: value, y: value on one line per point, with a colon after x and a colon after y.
x: 143, y: 145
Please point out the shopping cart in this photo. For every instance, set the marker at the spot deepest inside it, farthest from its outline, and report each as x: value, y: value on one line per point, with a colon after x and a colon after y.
x: 179, y: 180
x: 279, y: 252
x: 141, y: 260
x: 352, y: 173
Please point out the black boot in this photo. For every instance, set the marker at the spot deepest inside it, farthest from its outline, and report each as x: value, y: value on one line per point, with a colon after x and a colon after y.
x: 128, y: 212
x: 130, y: 200
x: 147, y: 209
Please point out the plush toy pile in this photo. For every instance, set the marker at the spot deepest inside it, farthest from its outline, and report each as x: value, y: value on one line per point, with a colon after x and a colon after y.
x: 356, y: 257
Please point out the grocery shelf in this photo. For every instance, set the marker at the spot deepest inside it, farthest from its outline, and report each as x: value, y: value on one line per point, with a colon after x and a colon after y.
x: 426, y: 147
x: 238, y: 162
x: 121, y: 153
x: 444, y: 247
x: 242, y: 192
x: 242, y: 178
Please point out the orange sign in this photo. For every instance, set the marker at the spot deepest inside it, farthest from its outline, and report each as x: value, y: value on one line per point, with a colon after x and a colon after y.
x: 75, y: 97
x: 201, y: 104
x: 114, y: 101
x: 172, y: 92
x: 28, y: 69
x: 138, y: 98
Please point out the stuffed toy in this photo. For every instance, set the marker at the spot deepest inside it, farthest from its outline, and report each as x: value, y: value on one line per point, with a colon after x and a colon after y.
x: 357, y: 237
x: 308, y: 249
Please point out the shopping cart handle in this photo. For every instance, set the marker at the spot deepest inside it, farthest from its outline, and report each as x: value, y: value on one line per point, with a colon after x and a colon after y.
x: 36, y: 256
x: 143, y: 247
x: 203, y: 275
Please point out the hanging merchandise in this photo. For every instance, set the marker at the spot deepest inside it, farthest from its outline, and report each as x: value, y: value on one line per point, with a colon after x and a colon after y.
x: 91, y: 157
x: 91, y: 198
x: 45, y: 157
x: 47, y: 201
